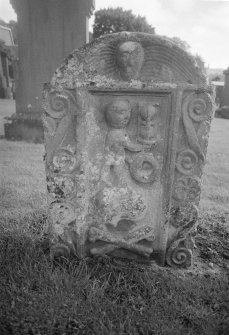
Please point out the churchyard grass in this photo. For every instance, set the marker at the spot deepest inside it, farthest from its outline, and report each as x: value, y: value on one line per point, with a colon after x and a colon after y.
x: 105, y: 296
x: 215, y: 188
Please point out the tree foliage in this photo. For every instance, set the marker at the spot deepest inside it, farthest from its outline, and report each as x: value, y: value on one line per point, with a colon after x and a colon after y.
x: 181, y: 43
x: 200, y: 62
x: 113, y: 20
x: 186, y: 47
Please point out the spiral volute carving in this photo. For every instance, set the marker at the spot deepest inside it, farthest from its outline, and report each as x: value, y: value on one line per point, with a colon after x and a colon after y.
x: 58, y: 105
x: 199, y: 107
x: 179, y: 257
x: 64, y: 161
x: 186, y: 162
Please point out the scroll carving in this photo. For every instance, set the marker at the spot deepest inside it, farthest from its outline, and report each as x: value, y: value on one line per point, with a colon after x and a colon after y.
x: 187, y: 161
x: 196, y: 108
x: 179, y: 255
x: 59, y: 108
x: 61, y: 186
x: 65, y: 239
x: 57, y: 119
x: 179, y: 252
x: 59, y: 105
x: 182, y: 215
x: 187, y: 189
x: 64, y: 160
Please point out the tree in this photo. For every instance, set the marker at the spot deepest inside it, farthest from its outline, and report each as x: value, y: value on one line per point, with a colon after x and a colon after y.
x: 181, y: 43
x: 113, y: 20
x: 186, y: 47
x: 216, y: 78
x: 200, y: 62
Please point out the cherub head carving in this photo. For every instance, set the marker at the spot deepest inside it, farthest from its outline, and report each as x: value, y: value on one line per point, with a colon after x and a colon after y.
x: 148, y: 112
x: 147, y: 120
x: 130, y: 58
x: 118, y: 113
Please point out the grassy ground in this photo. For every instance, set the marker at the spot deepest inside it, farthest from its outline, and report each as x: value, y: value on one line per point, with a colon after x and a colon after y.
x: 22, y: 182
x: 215, y: 191
x: 109, y: 297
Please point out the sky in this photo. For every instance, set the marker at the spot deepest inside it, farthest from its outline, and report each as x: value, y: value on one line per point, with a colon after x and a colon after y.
x: 203, y: 24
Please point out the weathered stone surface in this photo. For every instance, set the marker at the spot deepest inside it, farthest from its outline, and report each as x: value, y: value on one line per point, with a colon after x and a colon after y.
x: 126, y: 123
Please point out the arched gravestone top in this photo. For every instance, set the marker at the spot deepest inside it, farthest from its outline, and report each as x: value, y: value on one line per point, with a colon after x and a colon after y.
x: 152, y: 59
x: 126, y: 122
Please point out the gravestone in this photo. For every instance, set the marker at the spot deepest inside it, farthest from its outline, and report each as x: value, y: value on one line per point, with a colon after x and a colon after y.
x: 126, y: 122
x: 226, y: 88
x: 223, y: 110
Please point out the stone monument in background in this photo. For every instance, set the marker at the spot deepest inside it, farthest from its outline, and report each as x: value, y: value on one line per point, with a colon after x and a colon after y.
x: 223, y: 110
x: 48, y: 30
x: 126, y: 122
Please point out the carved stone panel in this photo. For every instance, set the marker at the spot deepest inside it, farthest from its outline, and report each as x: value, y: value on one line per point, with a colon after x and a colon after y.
x: 126, y: 206
x: 124, y: 155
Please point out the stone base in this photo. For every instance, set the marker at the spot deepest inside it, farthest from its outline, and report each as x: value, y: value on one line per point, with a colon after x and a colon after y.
x: 25, y: 127
x: 222, y: 112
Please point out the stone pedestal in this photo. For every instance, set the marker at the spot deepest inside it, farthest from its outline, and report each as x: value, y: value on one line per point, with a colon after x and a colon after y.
x: 126, y: 122
x: 48, y: 30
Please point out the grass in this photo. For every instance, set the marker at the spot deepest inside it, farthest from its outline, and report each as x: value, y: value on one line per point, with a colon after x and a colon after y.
x: 215, y: 188
x: 108, y: 296
x: 22, y: 183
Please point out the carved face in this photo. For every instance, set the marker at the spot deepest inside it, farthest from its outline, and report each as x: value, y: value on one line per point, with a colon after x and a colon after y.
x: 118, y: 113
x: 147, y: 114
x: 130, y: 57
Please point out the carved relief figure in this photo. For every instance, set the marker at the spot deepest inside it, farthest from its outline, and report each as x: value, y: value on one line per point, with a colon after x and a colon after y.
x: 118, y: 199
x: 147, y: 123
x: 130, y: 58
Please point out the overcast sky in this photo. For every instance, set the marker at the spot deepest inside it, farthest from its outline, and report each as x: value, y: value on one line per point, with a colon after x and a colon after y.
x: 204, y: 24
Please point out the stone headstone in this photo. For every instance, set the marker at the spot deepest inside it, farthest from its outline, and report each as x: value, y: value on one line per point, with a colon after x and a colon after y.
x: 126, y: 123
x: 226, y: 88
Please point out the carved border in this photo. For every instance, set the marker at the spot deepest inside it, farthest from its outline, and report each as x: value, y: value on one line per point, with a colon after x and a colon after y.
x: 60, y: 108
x: 197, y: 108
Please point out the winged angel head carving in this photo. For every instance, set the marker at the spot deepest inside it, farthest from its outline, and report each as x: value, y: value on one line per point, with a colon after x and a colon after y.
x: 129, y: 58
x: 143, y: 57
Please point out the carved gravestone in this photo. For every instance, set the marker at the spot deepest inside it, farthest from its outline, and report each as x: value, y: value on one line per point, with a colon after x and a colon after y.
x: 126, y: 123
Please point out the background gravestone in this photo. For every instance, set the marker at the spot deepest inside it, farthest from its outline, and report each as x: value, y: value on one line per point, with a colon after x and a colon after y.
x: 47, y: 32
x: 126, y: 123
